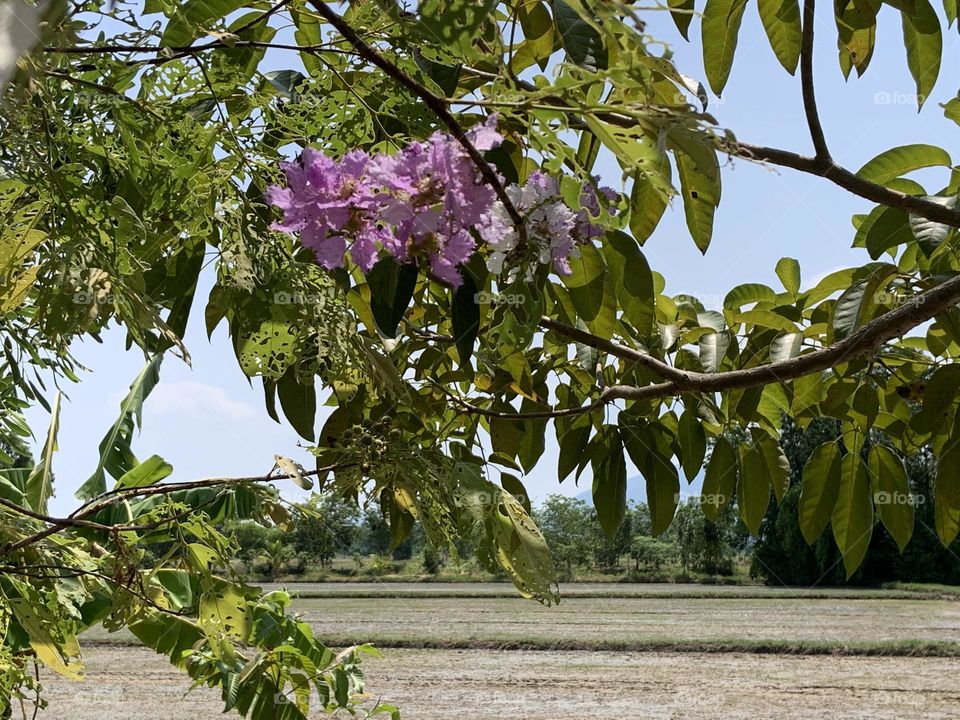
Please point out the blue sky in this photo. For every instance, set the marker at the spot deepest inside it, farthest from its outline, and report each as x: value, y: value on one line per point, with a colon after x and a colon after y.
x: 209, y: 421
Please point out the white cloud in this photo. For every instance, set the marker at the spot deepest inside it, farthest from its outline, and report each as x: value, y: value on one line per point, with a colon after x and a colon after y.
x: 195, y: 397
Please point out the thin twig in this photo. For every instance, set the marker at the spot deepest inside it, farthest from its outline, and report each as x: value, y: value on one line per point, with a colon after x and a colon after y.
x: 177, y: 51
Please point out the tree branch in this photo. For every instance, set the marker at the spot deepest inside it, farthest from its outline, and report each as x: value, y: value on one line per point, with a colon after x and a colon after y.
x: 823, y: 166
x: 868, y: 338
x: 583, y: 337
x: 78, y: 517
x: 806, y: 83
x: 436, y: 104
x: 179, y: 51
x: 851, y: 182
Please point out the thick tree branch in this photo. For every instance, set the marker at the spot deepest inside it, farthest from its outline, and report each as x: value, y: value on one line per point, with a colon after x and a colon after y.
x: 867, y: 339
x: 822, y: 166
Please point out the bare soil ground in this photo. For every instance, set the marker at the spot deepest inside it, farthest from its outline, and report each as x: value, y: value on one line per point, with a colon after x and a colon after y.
x: 513, y: 621
x: 578, y: 683
x: 132, y: 683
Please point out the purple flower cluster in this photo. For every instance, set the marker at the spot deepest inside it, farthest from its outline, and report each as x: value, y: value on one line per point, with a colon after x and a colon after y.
x: 418, y: 203
x: 422, y: 204
x: 553, y: 230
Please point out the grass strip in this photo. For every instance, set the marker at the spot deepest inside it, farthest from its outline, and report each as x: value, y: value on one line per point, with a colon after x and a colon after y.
x: 774, y: 594
x: 891, y: 648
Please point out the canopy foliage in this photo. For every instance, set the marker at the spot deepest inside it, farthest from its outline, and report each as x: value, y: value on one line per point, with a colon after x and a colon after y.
x: 137, y: 143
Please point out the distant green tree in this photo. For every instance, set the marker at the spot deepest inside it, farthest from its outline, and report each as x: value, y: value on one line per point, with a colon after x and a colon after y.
x: 703, y: 546
x: 328, y: 525
x: 651, y: 553
x: 609, y: 551
x: 374, y: 538
x: 567, y: 524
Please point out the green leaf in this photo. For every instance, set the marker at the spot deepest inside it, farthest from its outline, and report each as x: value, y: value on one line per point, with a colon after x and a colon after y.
x: 898, y: 161
x: 663, y: 492
x: 766, y: 319
x: 391, y: 289
x: 510, y: 538
x: 951, y: 108
x: 786, y: 346
x: 713, y: 347
x: 648, y: 199
x: 465, y: 316
x: 946, y: 507
x: 632, y: 280
x: 59, y: 655
x: 788, y: 270
x: 167, y: 634
x: 930, y: 233
x: 891, y: 493
x: 455, y: 23
x: 883, y: 229
x: 852, y: 518
x: 748, y: 294
x: 39, y: 487
x: 506, y: 436
x: 781, y: 21
x: 682, y: 12
x: 938, y: 397
x: 610, y: 485
x: 116, y: 455
x: 719, y: 31
x: 150, y: 471
x: 856, y: 35
x: 924, y: 43
x: 591, y: 292
x: 693, y: 444
x: 720, y: 480
x: 177, y: 585
x: 224, y: 613
x: 582, y: 43
x: 299, y: 403
x: 700, y: 189
x: 753, y: 491
x: 857, y: 304
x: 572, y: 445
x: 513, y: 485
x: 775, y: 462
x: 950, y: 9
x: 538, y: 35
x: 948, y: 468
x: 191, y: 18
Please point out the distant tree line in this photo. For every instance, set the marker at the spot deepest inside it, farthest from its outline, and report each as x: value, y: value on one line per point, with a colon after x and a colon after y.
x: 329, y: 527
